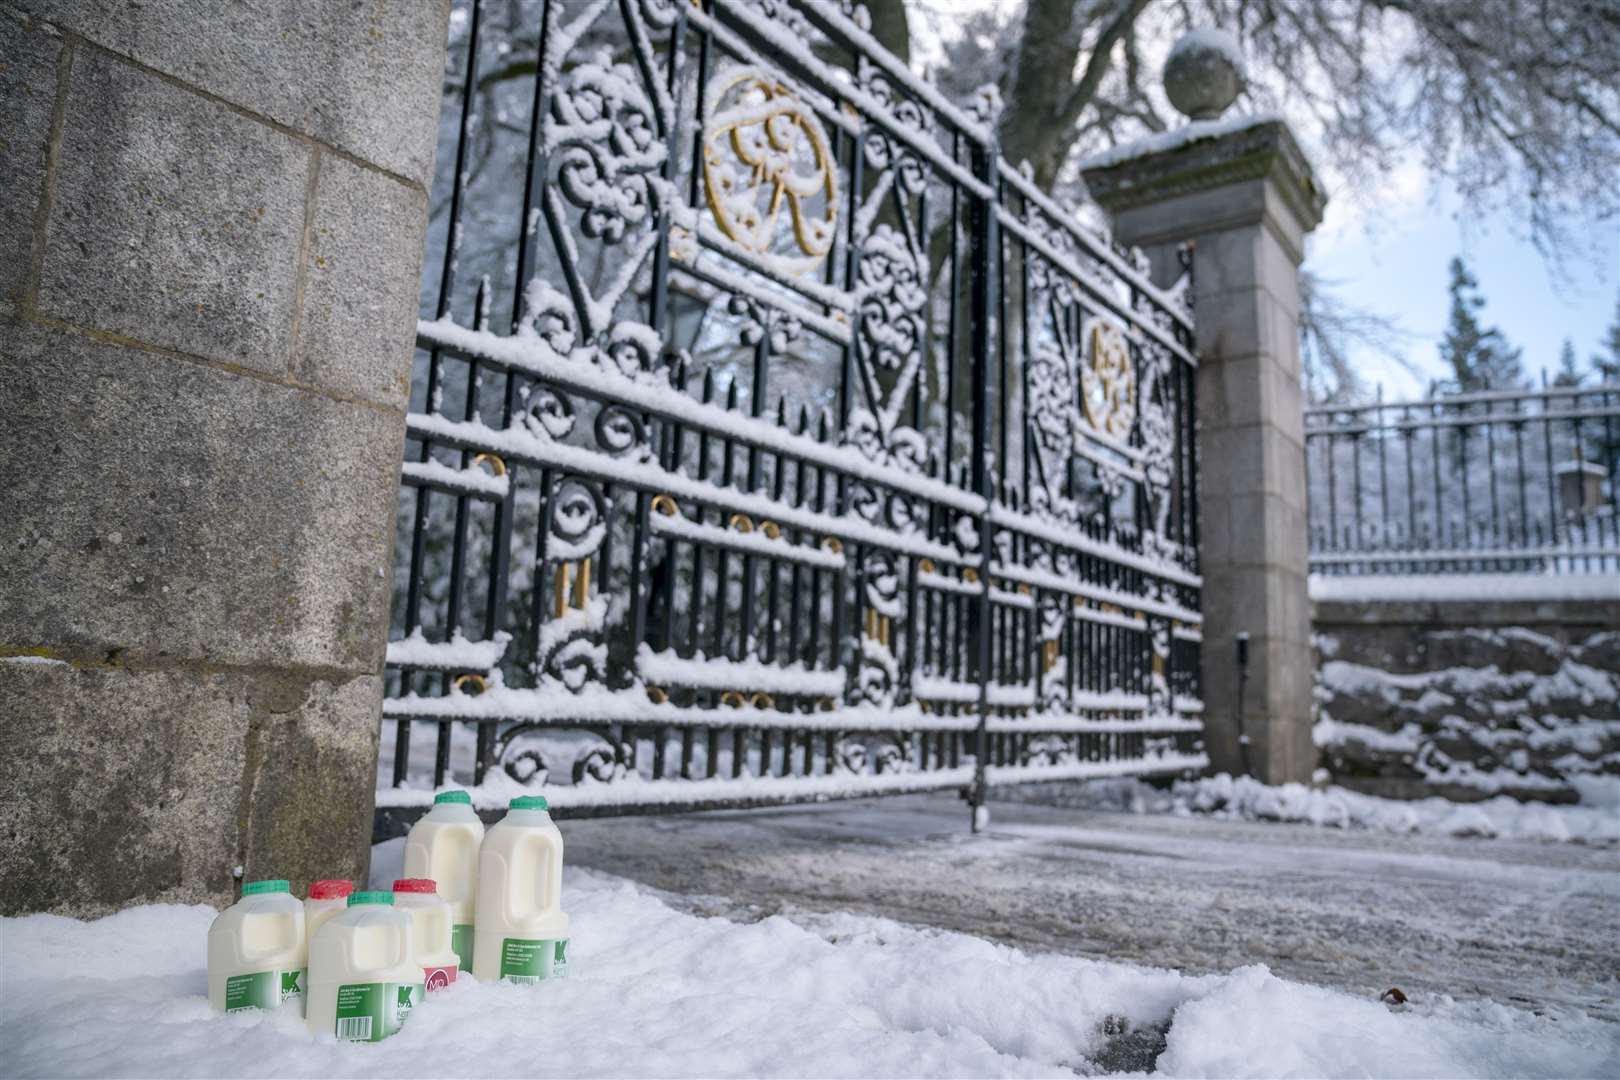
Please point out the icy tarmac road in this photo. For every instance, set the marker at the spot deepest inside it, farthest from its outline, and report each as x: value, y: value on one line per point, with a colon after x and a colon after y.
x: 1517, y: 922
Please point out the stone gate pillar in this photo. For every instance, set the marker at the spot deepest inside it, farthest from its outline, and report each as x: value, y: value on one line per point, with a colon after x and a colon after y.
x: 210, y: 234
x: 1245, y: 197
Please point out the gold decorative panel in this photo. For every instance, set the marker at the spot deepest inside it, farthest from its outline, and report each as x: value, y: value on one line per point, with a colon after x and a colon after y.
x: 1108, y: 382
x: 764, y: 150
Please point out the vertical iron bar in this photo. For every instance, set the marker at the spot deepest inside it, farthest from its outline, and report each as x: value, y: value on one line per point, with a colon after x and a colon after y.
x: 1518, y: 457
x: 812, y: 657
x: 773, y: 589
x: 1331, y: 442
x: 722, y: 559
x: 949, y: 452
x: 1383, y: 471
x: 985, y: 246
x: 681, y: 379
x: 1490, y: 472
x: 1409, y: 441
x: 695, y: 625
x: 799, y: 537
x: 1355, y: 478
x: 1552, y: 481
x: 1435, y: 458
x: 756, y: 409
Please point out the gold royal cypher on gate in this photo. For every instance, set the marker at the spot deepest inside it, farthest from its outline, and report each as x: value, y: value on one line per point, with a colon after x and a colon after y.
x: 763, y: 150
x: 1108, y: 382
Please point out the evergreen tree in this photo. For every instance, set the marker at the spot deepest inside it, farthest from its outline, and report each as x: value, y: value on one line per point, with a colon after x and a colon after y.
x: 1568, y: 374
x: 1462, y: 330
x: 1479, y: 358
x: 1606, y: 362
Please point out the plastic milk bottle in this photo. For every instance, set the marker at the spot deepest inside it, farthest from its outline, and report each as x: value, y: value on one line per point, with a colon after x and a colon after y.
x: 363, y: 979
x: 256, y: 950
x: 430, y: 930
x: 522, y: 930
x: 443, y: 845
x: 326, y: 899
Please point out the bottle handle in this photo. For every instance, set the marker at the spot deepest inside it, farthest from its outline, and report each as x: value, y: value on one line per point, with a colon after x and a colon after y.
x: 284, y: 927
x: 402, y: 947
x: 546, y: 890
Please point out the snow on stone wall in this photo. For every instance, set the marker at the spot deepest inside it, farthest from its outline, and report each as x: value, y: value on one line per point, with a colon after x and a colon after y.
x: 1419, y: 698
x: 1596, y: 821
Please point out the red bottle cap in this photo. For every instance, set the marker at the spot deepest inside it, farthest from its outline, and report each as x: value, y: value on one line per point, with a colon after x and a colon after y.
x: 416, y: 885
x: 331, y: 889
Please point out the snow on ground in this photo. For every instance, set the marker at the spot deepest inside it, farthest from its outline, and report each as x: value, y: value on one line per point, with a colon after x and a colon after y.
x: 654, y: 991
x: 1518, y: 922
x: 1596, y: 821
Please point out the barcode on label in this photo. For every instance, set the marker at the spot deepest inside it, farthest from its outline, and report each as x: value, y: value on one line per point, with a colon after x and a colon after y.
x: 354, y: 1027
x: 524, y: 980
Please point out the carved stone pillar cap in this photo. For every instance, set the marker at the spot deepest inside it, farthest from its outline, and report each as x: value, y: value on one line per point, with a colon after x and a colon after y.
x: 1202, y: 156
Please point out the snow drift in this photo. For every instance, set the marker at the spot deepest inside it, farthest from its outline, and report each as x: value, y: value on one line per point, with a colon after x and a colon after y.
x: 656, y: 992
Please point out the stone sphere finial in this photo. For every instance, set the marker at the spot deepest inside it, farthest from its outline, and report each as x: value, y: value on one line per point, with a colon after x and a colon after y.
x: 1204, y: 73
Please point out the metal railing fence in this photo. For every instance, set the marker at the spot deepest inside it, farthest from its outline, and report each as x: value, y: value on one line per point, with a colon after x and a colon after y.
x: 1510, y: 481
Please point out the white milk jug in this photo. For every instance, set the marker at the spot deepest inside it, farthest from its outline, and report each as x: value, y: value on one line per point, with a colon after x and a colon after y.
x: 363, y: 979
x: 430, y: 930
x: 522, y: 930
x: 326, y: 899
x: 256, y: 950
x: 443, y: 845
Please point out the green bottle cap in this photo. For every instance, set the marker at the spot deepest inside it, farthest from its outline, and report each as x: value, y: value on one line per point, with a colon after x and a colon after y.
x: 373, y: 897
x: 258, y: 888
x: 452, y: 797
x: 528, y: 802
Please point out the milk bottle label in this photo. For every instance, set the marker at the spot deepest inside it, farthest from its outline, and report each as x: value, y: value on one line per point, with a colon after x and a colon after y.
x: 461, y: 943
x: 438, y: 978
x: 525, y: 961
x: 368, y: 1012
x: 262, y: 989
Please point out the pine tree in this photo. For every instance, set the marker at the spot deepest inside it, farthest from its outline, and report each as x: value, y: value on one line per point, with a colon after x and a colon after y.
x: 1607, y: 362
x: 1462, y: 331
x: 1480, y: 358
x: 1568, y: 374
x: 1499, y: 365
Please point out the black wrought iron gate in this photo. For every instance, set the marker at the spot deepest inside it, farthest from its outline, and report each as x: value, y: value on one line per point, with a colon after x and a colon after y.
x: 772, y: 438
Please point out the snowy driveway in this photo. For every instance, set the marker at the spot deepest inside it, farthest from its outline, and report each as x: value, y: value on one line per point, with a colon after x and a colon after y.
x: 1516, y: 922
x: 832, y: 990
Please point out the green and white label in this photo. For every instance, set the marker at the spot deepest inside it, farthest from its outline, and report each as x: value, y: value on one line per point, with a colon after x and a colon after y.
x: 526, y: 961
x: 461, y: 943
x: 262, y: 989
x: 367, y: 1012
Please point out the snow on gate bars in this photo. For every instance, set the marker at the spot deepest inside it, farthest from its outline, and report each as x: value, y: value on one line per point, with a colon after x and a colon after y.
x: 817, y: 454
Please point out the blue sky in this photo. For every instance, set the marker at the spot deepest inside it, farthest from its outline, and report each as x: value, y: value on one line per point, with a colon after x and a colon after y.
x: 1388, y: 253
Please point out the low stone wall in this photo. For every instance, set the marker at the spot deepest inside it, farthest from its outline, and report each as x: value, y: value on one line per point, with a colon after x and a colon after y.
x: 1468, y: 698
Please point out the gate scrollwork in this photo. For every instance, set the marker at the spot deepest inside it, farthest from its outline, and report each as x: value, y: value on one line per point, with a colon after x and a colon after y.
x: 763, y: 150
x: 823, y: 451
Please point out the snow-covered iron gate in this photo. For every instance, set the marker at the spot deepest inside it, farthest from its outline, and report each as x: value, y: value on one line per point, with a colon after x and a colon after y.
x: 807, y: 450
